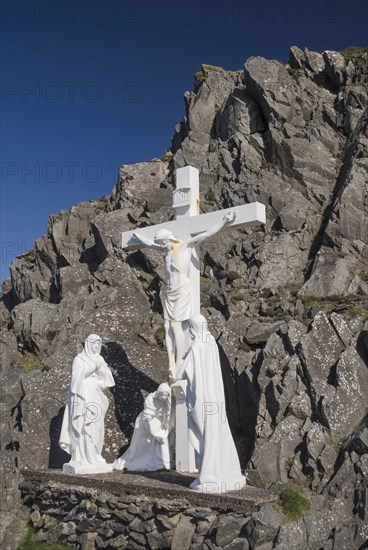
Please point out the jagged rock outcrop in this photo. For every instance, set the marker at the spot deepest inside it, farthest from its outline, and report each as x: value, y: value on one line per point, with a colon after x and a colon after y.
x: 288, y: 302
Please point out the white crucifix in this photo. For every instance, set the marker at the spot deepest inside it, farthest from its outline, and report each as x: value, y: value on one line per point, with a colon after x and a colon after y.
x: 179, y: 241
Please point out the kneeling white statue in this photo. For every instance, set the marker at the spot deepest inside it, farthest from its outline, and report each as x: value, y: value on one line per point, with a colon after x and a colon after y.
x: 150, y: 448
x: 208, y: 429
x: 83, y: 428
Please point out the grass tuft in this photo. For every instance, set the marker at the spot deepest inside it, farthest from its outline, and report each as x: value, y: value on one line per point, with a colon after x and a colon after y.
x: 29, y: 544
x: 31, y: 362
x: 294, y: 505
x: 233, y: 275
x: 239, y: 297
x: 204, y: 281
x: 159, y: 335
x: 354, y: 53
x: 363, y: 275
x: 205, y: 300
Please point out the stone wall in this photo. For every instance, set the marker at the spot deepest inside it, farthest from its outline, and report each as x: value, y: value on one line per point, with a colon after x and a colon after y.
x: 157, y: 510
x: 94, y: 519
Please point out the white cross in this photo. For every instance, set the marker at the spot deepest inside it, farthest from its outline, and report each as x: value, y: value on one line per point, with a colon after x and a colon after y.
x: 190, y: 223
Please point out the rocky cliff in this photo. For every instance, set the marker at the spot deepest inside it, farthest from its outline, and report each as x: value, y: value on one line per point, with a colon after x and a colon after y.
x: 288, y: 302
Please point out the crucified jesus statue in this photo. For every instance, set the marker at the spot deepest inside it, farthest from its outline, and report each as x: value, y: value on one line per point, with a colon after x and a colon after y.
x: 178, y: 295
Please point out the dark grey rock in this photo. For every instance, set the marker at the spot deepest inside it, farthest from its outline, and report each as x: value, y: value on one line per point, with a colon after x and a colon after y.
x: 254, y: 479
x: 204, y: 526
x: 291, y: 535
x: 295, y: 331
x: 279, y: 448
x: 116, y: 526
x: 87, y: 541
x: 13, y: 531
x: 320, y: 350
x: 321, y: 455
x: 354, y: 100
x: 123, y: 515
x: 49, y: 522
x: 318, y: 528
x: 345, y: 408
x: 343, y: 537
x: 101, y: 543
x: 198, y: 512
x: 157, y: 540
x: 359, y: 442
x: 86, y: 525
x: 227, y: 529
x: 260, y: 332
x: 36, y: 519
x: 141, y: 526
x: 39, y: 536
x: 263, y: 526
x: 136, y: 540
x: 240, y: 113
x: 238, y: 544
x: 107, y: 530
x: 315, y: 62
x: 335, y: 67
x: 168, y: 522
x: 183, y: 533
x: 342, y: 328
x: 133, y: 509
x: 296, y: 58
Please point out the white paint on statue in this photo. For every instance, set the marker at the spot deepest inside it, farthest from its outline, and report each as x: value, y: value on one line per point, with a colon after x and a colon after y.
x: 179, y: 240
x: 178, y: 302
x: 184, y: 452
x: 83, y: 427
x: 208, y: 429
x: 150, y: 446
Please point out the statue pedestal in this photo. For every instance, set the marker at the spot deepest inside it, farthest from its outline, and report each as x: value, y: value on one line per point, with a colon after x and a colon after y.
x: 86, y: 468
x: 184, y: 452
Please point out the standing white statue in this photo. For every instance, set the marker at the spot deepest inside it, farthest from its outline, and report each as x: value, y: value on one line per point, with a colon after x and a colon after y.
x: 150, y: 448
x: 83, y: 428
x: 208, y: 430
x: 178, y: 293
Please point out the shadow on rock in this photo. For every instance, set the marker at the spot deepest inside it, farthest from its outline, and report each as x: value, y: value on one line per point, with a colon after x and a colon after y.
x: 249, y: 396
x: 362, y: 346
x: 242, y: 398
x: 129, y: 383
x: 57, y: 457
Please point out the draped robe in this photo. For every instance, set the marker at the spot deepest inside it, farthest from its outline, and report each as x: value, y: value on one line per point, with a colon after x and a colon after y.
x: 83, y: 427
x: 208, y: 429
x: 149, y: 449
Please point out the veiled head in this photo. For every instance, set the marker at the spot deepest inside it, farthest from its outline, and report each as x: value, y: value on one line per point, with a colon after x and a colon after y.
x: 163, y: 392
x: 198, y: 326
x: 93, y: 344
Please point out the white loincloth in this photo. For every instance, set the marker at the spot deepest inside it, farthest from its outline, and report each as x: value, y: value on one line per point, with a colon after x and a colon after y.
x: 178, y: 302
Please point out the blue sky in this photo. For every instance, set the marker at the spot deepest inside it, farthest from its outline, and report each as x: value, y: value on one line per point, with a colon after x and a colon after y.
x: 90, y: 85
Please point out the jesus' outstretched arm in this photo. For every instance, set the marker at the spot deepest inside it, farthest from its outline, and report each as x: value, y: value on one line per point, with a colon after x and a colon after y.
x: 227, y: 220
x: 146, y: 242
